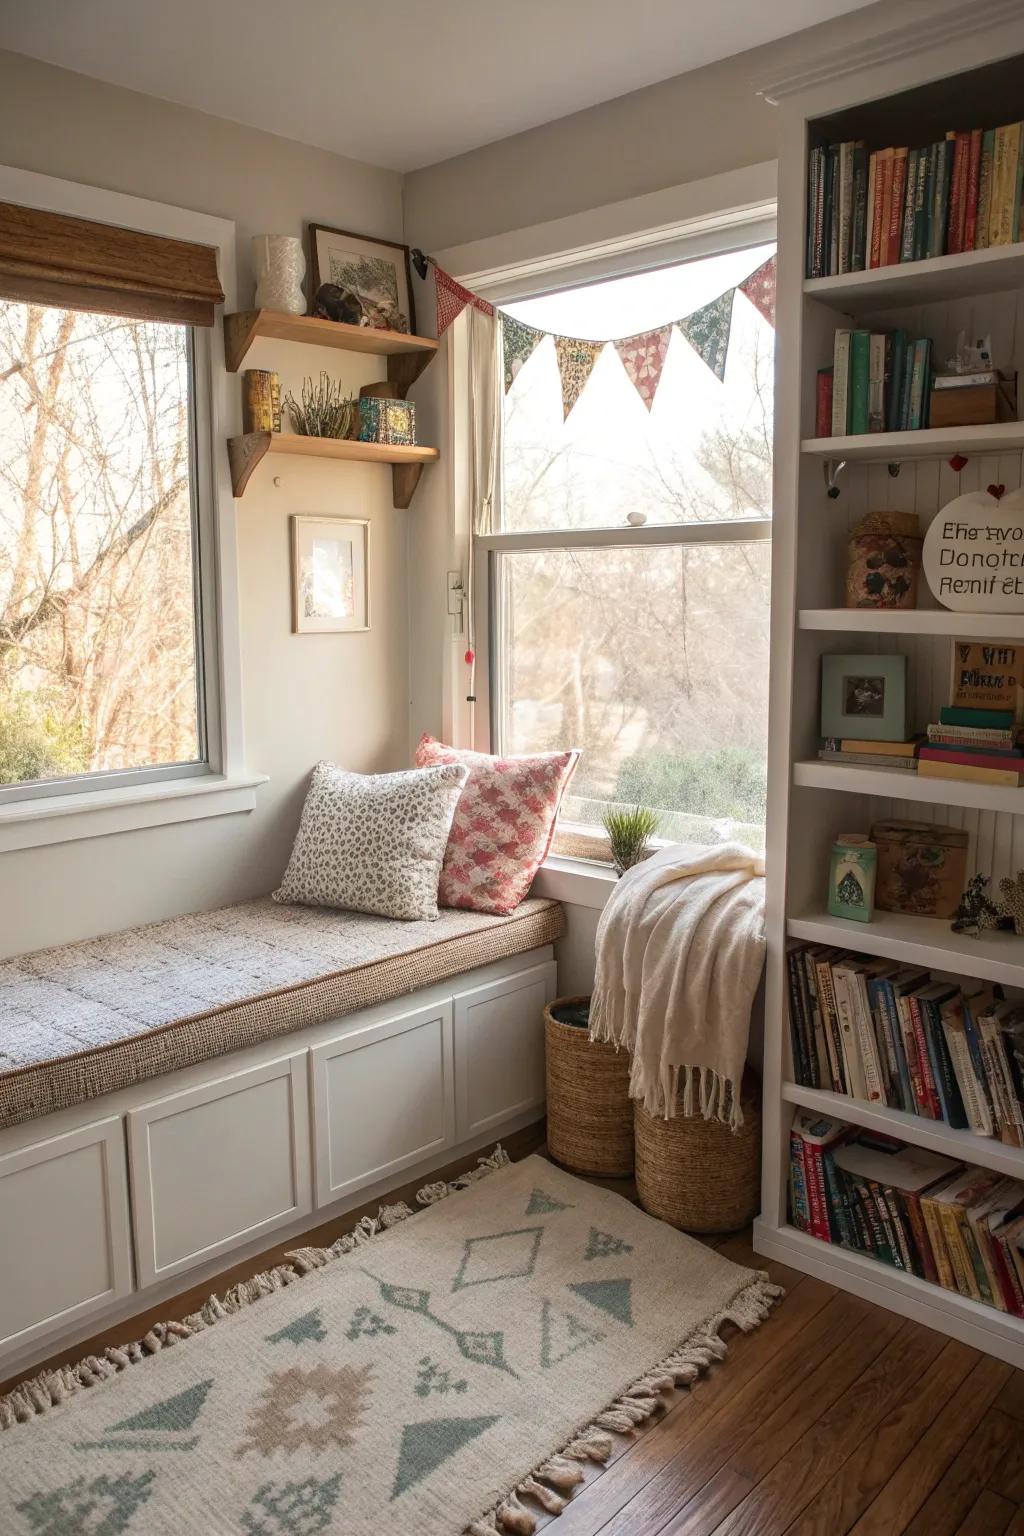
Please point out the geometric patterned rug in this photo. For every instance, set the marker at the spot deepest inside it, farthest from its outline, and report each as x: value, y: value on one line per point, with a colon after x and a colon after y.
x: 442, y: 1374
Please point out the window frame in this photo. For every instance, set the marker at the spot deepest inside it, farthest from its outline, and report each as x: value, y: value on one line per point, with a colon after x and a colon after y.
x: 90, y: 805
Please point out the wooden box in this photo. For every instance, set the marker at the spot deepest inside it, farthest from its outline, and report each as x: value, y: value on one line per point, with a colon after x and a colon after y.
x: 922, y: 867
x: 973, y: 405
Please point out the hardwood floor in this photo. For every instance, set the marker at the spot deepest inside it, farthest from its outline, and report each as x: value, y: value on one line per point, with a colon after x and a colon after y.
x: 834, y: 1418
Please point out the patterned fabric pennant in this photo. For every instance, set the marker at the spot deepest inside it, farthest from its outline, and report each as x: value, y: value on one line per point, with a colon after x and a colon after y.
x: 707, y: 330
x: 576, y: 361
x: 643, y: 358
x: 518, y: 342
x: 452, y: 299
x: 759, y: 288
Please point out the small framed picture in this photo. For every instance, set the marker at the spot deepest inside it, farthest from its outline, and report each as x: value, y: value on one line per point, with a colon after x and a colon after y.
x: 864, y: 697
x: 377, y: 272
x: 330, y: 575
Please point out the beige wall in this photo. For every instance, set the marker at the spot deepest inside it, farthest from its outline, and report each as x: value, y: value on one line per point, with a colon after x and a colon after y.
x: 344, y: 697
x: 694, y: 125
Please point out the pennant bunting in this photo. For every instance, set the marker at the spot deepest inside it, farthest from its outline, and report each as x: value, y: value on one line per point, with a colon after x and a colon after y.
x: 707, y: 331
x: 759, y: 288
x: 518, y: 342
x: 643, y: 358
x: 452, y: 299
x: 576, y: 361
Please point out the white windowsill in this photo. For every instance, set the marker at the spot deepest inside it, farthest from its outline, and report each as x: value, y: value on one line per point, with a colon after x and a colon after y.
x: 101, y: 812
x: 580, y: 882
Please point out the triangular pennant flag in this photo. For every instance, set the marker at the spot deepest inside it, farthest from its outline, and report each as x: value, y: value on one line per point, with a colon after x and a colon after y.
x: 707, y: 330
x: 576, y: 360
x: 759, y: 288
x: 452, y: 299
x: 643, y: 358
x: 518, y: 343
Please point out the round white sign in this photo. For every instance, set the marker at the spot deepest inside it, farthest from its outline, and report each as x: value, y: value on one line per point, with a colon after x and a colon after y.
x: 973, y: 556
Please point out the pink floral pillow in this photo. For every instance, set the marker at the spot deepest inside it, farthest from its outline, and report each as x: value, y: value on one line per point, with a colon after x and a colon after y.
x: 503, y: 826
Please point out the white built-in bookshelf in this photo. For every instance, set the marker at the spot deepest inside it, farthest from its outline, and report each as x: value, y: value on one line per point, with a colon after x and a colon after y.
x: 953, y: 73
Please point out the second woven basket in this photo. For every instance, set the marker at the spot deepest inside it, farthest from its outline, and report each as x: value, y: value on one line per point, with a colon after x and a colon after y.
x: 695, y: 1173
x: 590, y: 1114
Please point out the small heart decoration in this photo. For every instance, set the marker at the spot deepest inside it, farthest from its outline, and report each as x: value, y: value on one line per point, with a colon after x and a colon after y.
x: 998, y: 491
x: 957, y: 463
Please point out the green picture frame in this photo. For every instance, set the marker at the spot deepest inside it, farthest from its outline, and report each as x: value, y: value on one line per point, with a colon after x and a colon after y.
x: 864, y: 697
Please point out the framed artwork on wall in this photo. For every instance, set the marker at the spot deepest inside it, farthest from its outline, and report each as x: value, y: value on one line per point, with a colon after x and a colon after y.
x: 330, y: 575
x: 376, y: 271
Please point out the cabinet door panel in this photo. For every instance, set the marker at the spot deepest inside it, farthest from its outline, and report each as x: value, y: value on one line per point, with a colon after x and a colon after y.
x: 499, y: 1049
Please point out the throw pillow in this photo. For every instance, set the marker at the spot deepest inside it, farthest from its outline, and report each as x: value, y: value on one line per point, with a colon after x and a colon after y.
x: 373, y: 842
x: 503, y: 825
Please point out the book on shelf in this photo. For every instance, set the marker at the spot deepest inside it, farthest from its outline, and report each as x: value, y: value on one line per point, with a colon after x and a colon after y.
x: 878, y: 382
x: 977, y: 719
x: 823, y: 402
x: 886, y: 205
x: 969, y: 757
x: 977, y: 738
x: 934, y: 1217
x: 878, y: 748
x: 893, y: 1036
x: 867, y: 759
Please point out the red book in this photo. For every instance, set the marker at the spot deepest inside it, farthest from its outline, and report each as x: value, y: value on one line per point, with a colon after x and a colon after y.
x: 973, y: 182
x: 957, y: 194
x: 897, y: 193
x: 930, y: 1106
x: 974, y: 759
x: 883, y: 157
x: 823, y: 403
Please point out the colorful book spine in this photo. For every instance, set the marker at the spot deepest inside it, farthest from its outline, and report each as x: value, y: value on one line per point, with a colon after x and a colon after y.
x: 957, y: 218
x: 940, y: 198
x: 860, y: 208
x: 999, y: 778
x: 929, y: 1101
x: 898, y: 353
x: 841, y: 384
x: 800, y: 1205
x: 823, y: 403
x: 988, y: 149
x: 879, y: 350
x: 971, y: 759
x: 919, y: 386
x: 896, y: 199
x: 909, y: 196
x: 977, y: 719
x: 922, y: 190
x: 973, y: 180
x: 860, y: 369
x: 880, y: 159
x: 845, y: 236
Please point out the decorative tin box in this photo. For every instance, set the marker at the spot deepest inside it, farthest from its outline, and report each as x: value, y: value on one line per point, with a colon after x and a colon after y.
x: 851, y: 882
x: 922, y: 867
x: 883, y: 561
x: 387, y: 421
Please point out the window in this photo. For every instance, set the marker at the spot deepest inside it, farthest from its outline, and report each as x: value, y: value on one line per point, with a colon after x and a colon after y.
x: 101, y: 643
x: 645, y: 646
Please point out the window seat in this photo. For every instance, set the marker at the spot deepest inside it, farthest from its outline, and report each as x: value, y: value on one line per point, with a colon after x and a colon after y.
x: 83, y: 1020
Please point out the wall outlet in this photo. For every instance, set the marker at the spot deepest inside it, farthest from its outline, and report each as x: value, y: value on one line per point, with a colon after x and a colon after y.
x: 456, y: 594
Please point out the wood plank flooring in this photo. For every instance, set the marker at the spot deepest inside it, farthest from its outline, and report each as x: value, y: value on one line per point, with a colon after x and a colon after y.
x: 834, y: 1418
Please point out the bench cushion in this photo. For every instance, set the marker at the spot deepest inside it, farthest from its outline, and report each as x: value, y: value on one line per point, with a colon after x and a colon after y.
x: 86, y: 1019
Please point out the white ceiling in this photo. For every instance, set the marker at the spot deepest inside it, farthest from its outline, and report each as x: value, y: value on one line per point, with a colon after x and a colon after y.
x: 403, y: 83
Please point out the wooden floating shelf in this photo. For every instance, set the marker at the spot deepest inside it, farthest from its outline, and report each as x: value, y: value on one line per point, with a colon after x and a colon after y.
x: 994, y: 270
x: 914, y: 621
x: 247, y: 451
x: 931, y: 443
x: 936, y: 1135
x: 407, y: 355
x: 927, y: 941
x: 907, y: 784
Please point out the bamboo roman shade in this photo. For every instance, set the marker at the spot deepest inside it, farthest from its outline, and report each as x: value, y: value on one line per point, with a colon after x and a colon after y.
x: 48, y: 258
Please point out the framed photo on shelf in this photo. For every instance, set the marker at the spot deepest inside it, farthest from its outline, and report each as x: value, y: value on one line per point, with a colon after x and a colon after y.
x: 864, y: 697
x: 330, y: 575
x: 376, y: 271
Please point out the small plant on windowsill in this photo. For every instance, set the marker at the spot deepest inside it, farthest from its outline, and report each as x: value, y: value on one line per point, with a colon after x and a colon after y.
x: 629, y: 835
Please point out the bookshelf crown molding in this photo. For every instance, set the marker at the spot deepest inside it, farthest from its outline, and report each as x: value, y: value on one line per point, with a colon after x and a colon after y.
x: 913, y: 37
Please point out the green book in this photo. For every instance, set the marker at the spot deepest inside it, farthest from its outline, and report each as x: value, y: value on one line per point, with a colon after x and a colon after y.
x: 929, y: 202
x: 940, y: 198
x: 909, y: 205
x: 894, y: 384
x: 919, y: 230
x: 919, y: 386
x: 860, y: 373
x: 984, y: 719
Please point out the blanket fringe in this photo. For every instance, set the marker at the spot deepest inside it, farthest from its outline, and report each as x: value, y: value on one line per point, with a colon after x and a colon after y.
x: 49, y: 1388
x: 551, y: 1485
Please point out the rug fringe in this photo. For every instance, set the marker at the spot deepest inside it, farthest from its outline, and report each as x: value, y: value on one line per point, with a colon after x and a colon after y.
x: 50, y: 1388
x: 553, y: 1483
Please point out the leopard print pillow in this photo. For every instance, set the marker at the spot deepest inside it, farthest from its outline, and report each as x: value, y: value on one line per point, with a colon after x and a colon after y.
x: 373, y: 842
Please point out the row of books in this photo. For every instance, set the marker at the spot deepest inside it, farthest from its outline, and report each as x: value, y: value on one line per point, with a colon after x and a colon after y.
x: 952, y: 748
x: 901, y: 204
x: 957, y: 1226
x: 891, y: 1035
x: 878, y: 382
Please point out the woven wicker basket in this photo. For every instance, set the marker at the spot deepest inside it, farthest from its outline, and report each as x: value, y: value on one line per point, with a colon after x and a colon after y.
x: 590, y: 1114
x: 695, y: 1174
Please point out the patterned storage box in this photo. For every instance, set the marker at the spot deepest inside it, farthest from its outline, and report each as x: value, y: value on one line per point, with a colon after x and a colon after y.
x: 387, y: 421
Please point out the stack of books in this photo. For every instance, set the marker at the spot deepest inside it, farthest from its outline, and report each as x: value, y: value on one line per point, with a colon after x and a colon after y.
x: 899, y: 204
x: 977, y: 735
x: 869, y: 754
x: 957, y: 1226
x: 891, y: 1035
x: 878, y: 382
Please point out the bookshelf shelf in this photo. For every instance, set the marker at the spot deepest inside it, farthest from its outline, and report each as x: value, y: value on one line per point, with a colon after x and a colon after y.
x: 914, y: 621
x: 931, y: 443
x: 927, y: 941
x: 906, y: 784
x: 972, y: 1322
x: 996, y: 270
x: 933, y: 1134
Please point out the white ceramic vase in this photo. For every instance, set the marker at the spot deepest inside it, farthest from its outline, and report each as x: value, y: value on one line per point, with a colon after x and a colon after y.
x: 280, y: 267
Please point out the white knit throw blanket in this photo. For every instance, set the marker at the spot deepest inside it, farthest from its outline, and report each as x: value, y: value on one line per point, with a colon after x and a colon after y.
x: 680, y: 947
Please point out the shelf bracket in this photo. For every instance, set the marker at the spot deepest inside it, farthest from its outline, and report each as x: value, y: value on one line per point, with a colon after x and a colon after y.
x: 832, y: 468
x: 244, y: 453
